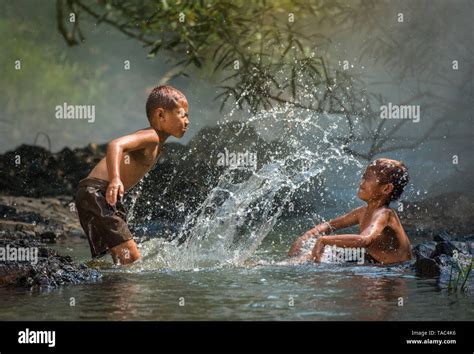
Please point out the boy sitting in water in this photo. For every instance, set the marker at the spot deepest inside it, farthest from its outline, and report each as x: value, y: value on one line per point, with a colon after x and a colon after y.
x: 381, y: 233
x: 129, y: 158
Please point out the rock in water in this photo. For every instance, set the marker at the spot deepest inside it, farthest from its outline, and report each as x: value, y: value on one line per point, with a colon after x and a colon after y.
x: 44, y: 269
x: 437, y: 259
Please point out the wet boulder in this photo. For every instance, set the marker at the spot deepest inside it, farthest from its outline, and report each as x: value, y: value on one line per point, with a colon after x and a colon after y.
x: 444, y: 248
x: 43, y: 269
x: 424, y: 250
x: 442, y: 257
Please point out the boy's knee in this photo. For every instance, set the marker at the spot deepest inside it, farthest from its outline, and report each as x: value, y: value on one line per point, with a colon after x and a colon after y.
x: 125, y: 253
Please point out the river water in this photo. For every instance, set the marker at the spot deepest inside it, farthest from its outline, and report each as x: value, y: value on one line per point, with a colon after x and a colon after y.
x: 250, y: 292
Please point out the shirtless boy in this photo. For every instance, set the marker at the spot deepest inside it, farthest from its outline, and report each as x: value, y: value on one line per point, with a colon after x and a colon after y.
x: 381, y: 233
x: 128, y: 159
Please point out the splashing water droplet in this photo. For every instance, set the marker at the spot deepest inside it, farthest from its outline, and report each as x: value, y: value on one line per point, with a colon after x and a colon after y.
x: 239, y: 212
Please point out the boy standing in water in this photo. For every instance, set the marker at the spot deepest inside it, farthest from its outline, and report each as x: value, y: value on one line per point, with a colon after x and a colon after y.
x: 381, y: 233
x: 129, y: 158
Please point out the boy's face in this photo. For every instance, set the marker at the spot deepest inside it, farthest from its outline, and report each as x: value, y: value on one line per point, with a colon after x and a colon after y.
x: 371, y: 187
x: 174, y: 122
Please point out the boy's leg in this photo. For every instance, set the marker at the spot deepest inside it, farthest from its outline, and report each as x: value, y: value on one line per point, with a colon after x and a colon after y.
x: 125, y: 253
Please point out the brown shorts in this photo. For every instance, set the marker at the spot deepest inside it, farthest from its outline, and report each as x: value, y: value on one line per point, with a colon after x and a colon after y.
x: 104, y: 225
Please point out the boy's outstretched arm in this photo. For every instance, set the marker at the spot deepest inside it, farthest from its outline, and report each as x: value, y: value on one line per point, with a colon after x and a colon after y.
x: 341, y: 222
x: 363, y: 240
x: 115, y: 150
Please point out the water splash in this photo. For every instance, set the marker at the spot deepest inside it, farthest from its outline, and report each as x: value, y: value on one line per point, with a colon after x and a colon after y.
x: 244, y: 206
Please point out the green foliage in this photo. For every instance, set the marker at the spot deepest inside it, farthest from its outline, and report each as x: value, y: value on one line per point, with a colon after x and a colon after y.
x: 460, y: 281
x: 255, y: 46
x: 268, y: 53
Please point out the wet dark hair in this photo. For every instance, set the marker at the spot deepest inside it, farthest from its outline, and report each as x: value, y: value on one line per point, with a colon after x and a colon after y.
x: 166, y: 97
x: 391, y: 171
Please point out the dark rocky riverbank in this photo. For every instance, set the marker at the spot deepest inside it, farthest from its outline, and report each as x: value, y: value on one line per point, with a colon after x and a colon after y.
x: 30, y: 225
x: 27, y: 262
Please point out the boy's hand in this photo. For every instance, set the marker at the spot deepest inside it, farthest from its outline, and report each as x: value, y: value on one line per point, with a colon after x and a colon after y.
x: 296, y: 247
x: 114, y: 189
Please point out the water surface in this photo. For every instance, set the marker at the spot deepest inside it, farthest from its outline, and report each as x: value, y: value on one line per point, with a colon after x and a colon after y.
x: 261, y: 292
